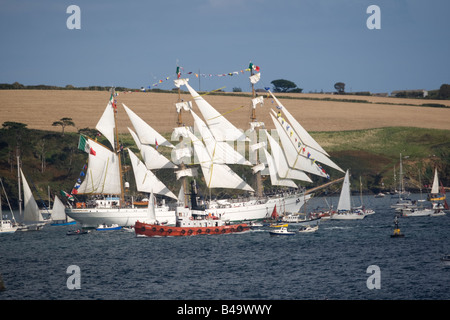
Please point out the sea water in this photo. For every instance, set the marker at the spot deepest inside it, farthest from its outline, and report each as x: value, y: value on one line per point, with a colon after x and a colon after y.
x: 332, y: 263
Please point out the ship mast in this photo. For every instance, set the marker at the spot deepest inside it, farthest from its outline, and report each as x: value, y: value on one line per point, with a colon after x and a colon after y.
x: 179, y: 124
x: 259, y: 186
x: 118, y: 151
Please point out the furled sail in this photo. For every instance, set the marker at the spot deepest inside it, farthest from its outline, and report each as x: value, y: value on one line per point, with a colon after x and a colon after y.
x: 281, y: 164
x: 146, y: 134
x: 219, y: 151
x: 31, y: 210
x: 146, y: 181
x: 274, y: 178
x: 106, y: 124
x: 221, y: 128
x: 217, y: 175
x: 152, y: 158
x: 102, y: 174
x: 344, y: 199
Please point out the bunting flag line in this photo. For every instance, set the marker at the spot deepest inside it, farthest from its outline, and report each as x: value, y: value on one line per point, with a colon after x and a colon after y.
x: 207, y: 75
x: 301, y: 148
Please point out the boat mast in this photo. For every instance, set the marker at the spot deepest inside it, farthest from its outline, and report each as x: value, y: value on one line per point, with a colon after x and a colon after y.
x: 179, y: 124
x: 122, y: 197
x: 259, y: 186
x: 18, y: 183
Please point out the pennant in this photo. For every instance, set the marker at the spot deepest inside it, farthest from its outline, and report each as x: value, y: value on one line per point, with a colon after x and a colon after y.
x: 92, y: 151
x: 156, y: 144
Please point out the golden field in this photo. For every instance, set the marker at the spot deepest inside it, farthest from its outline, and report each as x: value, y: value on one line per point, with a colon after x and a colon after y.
x: 40, y: 108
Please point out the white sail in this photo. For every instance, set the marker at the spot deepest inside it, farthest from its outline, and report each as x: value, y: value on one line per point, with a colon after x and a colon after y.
x: 302, y: 149
x: 435, y: 187
x: 281, y: 164
x: 106, y: 124
x: 146, y: 134
x: 308, y: 142
x: 31, y: 211
x: 103, y: 173
x: 219, y: 151
x: 344, y: 199
x: 304, y: 135
x: 221, y: 128
x: 58, y: 210
x: 146, y: 181
x: 217, y: 175
x: 152, y: 158
x: 274, y: 178
x: 296, y: 160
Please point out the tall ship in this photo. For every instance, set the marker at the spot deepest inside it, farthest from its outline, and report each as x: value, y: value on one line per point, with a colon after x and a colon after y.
x: 294, y: 158
x: 103, y: 179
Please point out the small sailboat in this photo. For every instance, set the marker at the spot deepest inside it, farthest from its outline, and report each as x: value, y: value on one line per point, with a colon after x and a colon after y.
x: 436, y: 194
x: 32, y: 219
x: 397, y: 233
x: 59, y: 217
x: 344, y: 208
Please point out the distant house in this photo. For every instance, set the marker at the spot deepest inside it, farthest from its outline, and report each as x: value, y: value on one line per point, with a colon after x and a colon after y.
x: 419, y: 93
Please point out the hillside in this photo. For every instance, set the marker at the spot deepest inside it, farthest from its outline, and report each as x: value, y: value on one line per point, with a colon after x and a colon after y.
x: 366, y: 137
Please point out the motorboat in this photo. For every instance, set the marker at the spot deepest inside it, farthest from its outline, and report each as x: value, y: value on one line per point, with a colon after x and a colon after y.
x: 309, y: 229
x: 76, y: 232
x: 105, y: 227
x: 281, y: 230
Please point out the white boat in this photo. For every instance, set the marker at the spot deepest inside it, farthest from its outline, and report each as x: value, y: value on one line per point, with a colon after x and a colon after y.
x: 297, y: 219
x: 281, y: 230
x: 6, y: 225
x: 344, y: 209
x: 438, y: 209
x: 309, y: 229
x: 106, y: 227
x: 416, y: 212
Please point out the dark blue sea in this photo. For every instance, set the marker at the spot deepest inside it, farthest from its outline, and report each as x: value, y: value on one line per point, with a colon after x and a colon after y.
x: 329, y: 264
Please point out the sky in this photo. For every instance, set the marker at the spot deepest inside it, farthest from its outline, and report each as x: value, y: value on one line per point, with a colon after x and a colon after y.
x: 313, y: 43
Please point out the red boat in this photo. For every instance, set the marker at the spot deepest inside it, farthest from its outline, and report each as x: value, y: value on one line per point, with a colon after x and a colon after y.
x: 155, y: 230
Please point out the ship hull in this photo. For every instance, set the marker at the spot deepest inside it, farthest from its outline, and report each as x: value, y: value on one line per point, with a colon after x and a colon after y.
x: 152, y: 230
x: 235, y: 212
x: 259, y: 210
x: 124, y: 217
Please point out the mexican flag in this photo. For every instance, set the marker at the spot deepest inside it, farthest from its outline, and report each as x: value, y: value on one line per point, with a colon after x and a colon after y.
x: 251, y: 66
x: 178, y: 73
x: 83, y: 145
x: 68, y: 196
